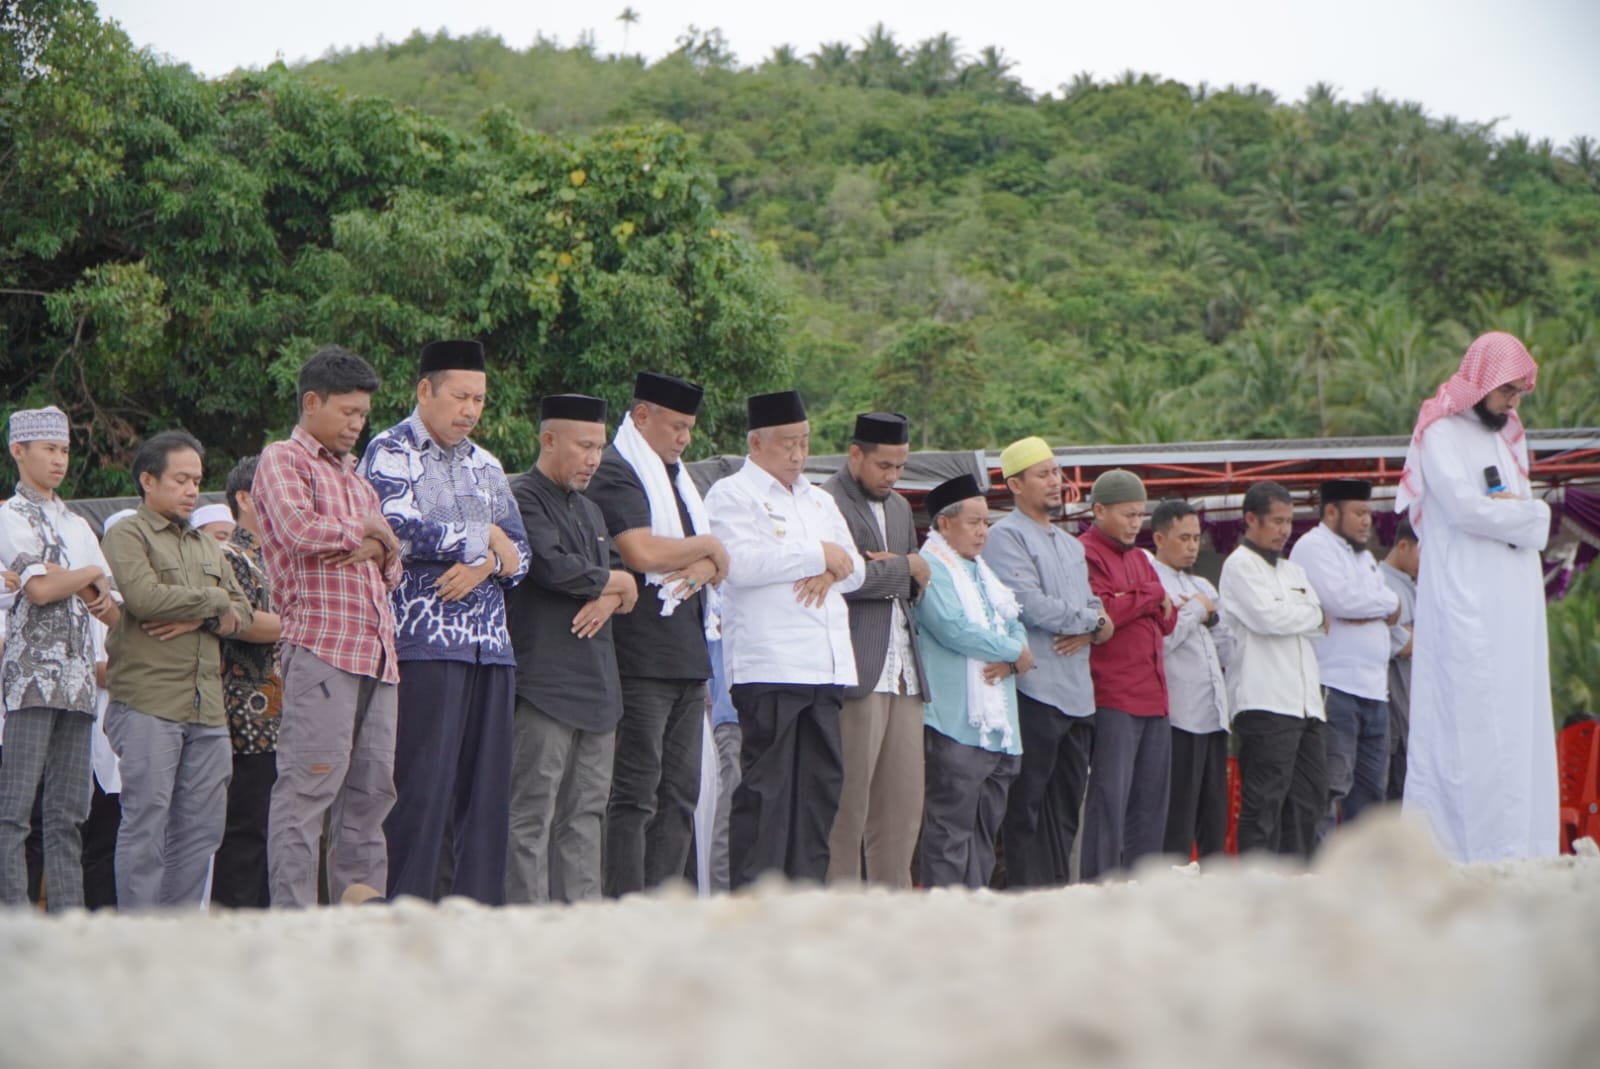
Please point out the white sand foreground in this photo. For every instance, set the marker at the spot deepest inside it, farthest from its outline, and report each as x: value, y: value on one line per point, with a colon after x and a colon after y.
x: 1384, y: 955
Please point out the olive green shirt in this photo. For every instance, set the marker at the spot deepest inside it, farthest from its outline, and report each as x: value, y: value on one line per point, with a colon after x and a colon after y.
x: 169, y: 571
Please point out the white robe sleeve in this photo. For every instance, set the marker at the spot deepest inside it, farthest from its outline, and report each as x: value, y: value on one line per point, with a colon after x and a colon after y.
x: 1455, y: 494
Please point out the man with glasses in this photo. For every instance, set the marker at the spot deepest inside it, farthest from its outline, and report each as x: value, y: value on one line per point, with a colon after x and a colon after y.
x: 1481, y: 764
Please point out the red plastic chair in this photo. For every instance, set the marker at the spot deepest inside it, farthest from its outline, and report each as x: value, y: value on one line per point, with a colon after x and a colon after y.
x: 1230, y: 845
x: 1230, y: 842
x: 1578, y: 768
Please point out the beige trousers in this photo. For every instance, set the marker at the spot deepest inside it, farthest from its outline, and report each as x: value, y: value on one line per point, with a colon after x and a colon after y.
x: 880, y: 807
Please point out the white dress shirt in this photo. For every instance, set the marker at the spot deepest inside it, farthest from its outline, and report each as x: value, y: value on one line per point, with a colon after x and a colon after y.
x: 774, y: 538
x: 102, y: 758
x: 1353, y: 657
x: 1273, y: 612
x: 1192, y: 655
x: 899, y: 675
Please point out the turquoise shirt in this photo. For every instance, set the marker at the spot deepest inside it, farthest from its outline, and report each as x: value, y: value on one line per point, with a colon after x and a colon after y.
x: 949, y: 639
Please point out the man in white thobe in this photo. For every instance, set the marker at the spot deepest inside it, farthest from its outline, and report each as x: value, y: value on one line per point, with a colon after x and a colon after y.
x: 1481, y: 762
x: 786, y: 645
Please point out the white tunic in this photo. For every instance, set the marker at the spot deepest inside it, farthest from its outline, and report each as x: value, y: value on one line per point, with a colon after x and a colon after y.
x: 1353, y: 656
x: 899, y: 675
x: 1272, y: 610
x: 1481, y: 765
x: 774, y: 537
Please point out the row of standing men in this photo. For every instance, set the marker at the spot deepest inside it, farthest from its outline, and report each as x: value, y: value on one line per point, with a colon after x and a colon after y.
x: 497, y: 687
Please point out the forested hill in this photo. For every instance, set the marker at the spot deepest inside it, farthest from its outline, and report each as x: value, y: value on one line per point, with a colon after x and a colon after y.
x: 885, y: 226
x: 1130, y: 260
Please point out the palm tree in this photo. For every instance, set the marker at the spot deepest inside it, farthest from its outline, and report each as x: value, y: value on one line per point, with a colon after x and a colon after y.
x: 1276, y: 207
x: 934, y: 64
x: 1211, y: 151
x: 1372, y: 200
x: 1081, y: 85
x: 629, y: 18
x: 1390, y: 363
x: 1193, y: 251
x: 783, y: 56
x: 991, y: 74
x: 880, y: 61
x: 1583, y: 153
x: 1129, y: 401
x: 1243, y: 300
x: 1256, y: 394
x: 1320, y: 327
x: 833, y: 59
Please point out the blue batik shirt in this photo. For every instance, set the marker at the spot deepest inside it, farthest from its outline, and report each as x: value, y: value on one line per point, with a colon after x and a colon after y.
x: 440, y: 502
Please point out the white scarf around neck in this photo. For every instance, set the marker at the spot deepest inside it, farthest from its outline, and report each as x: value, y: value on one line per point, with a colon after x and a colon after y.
x: 986, y: 702
x: 664, y: 519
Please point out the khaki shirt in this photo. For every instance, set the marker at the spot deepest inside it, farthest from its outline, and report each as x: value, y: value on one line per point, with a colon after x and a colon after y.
x: 167, y: 571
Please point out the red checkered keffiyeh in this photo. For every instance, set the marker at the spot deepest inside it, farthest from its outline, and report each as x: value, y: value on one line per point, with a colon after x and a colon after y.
x: 1490, y: 362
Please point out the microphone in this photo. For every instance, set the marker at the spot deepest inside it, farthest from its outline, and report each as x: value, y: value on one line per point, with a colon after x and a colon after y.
x: 1492, y: 480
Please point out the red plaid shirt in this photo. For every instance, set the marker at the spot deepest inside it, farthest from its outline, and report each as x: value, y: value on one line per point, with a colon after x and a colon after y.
x: 311, y: 503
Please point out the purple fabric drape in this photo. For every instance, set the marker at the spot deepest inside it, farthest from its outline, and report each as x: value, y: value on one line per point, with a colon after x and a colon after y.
x: 1582, y: 507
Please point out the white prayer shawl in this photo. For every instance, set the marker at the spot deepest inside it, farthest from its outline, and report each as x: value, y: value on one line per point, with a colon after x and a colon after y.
x: 1481, y: 764
x: 986, y: 702
x: 664, y: 519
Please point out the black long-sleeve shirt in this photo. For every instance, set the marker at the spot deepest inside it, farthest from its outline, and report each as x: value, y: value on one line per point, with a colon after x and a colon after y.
x: 570, y: 679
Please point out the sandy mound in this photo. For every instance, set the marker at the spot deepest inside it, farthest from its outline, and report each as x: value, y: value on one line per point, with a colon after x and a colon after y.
x: 1384, y: 955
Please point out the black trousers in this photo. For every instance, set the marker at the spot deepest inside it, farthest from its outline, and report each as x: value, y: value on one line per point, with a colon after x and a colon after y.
x: 100, y: 849
x: 452, y: 768
x: 239, y: 878
x: 1042, y: 807
x: 793, y: 770
x: 1197, y: 813
x: 655, y: 783
x: 963, y: 805
x: 1399, y: 736
x: 1130, y: 777
x: 1283, y: 781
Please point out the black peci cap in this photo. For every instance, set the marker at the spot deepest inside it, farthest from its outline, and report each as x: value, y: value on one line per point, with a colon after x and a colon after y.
x: 574, y: 406
x: 775, y: 409
x: 949, y: 492
x: 668, y: 392
x: 882, y: 428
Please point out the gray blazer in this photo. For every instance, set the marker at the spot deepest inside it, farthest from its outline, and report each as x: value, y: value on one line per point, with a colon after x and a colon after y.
x: 887, y: 582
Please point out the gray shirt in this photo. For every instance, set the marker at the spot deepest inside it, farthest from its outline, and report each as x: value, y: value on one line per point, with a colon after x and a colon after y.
x: 1400, y: 667
x: 1044, y: 566
x: 1194, y: 653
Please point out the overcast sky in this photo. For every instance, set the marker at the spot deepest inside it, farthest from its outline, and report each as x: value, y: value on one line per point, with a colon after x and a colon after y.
x: 1533, y: 64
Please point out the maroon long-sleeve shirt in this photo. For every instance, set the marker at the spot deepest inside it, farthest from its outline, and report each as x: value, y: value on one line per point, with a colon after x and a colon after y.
x: 1127, y: 670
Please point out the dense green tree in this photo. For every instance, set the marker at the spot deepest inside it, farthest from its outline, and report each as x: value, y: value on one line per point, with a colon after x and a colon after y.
x: 1461, y: 247
x: 171, y: 249
x: 931, y: 373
